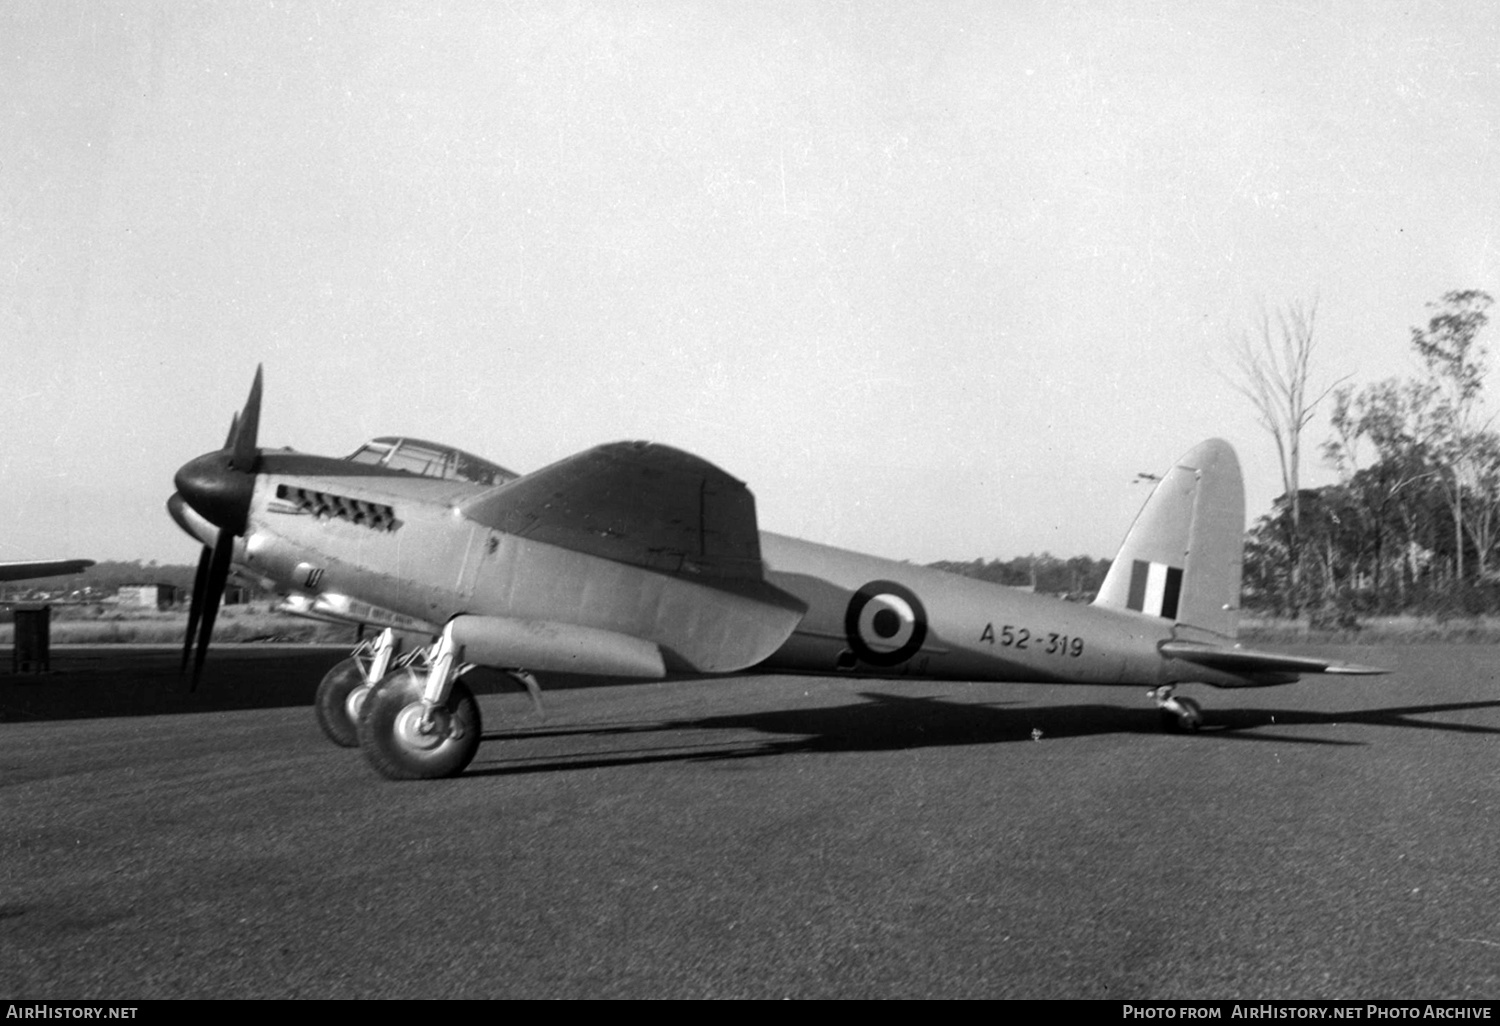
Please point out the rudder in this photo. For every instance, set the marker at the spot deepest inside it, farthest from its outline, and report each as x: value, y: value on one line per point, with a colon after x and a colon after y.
x: 1182, y: 558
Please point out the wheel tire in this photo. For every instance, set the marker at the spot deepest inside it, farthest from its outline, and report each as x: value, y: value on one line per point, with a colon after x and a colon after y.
x: 1194, y: 720
x: 397, y: 750
x: 340, y: 697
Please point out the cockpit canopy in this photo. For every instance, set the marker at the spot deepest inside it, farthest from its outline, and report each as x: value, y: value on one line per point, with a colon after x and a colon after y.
x: 428, y: 459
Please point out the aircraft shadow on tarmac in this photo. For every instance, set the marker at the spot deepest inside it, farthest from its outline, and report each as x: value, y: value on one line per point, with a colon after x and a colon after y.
x: 147, y: 681
x: 885, y: 722
x: 104, y: 684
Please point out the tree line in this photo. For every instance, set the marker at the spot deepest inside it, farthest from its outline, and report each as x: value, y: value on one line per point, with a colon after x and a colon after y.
x: 102, y: 580
x: 1077, y: 578
x: 1414, y: 522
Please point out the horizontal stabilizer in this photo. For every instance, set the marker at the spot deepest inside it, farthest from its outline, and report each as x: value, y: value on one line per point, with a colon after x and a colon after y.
x: 1245, y: 660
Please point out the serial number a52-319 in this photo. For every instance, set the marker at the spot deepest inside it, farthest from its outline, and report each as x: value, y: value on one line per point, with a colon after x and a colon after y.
x: 1022, y: 638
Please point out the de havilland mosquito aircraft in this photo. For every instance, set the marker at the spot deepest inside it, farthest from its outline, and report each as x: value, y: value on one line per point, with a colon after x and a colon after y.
x: 635, y: 560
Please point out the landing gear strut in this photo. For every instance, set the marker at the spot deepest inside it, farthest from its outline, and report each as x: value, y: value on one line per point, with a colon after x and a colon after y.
x: 344, y: 689
x: 421, y: 721
x: 1176, y: 713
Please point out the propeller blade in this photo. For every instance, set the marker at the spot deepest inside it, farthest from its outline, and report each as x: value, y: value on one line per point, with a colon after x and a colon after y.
x: 195, y: 609
x: 218, y: 575
x: 219, y: 487
x: 244, y: 452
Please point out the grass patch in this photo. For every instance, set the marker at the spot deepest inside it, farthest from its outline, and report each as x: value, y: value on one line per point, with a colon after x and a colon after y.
x: 1376, y: 630
x: 87, y: 625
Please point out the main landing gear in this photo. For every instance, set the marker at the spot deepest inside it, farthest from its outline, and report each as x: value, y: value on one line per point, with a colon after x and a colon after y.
x: 1176, y: 713
x: 413, y: 716
x: 419, y: 721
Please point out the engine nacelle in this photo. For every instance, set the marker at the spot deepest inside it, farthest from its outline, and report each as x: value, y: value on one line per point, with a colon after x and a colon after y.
x: 508, y: 643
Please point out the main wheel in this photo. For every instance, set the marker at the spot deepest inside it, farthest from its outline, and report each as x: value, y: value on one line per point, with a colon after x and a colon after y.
x: 340, y: 696
x: 403, y: 742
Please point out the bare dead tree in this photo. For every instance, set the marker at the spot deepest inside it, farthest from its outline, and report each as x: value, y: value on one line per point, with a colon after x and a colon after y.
x: 1274, y: 363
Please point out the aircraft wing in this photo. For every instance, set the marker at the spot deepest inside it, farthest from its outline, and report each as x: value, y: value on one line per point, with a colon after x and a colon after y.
x: 1246, y: 660
x: 26, y: 569
x: 666, y: 511
x: 634, y: 502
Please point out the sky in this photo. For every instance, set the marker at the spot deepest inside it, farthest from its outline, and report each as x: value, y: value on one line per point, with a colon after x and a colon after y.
x: 936, y: 279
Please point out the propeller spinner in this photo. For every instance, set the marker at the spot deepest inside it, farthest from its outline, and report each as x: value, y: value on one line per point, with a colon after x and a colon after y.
x: 218, y: 486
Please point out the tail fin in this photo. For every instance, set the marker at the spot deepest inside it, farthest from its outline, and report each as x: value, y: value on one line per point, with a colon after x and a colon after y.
x: 1182, y: 558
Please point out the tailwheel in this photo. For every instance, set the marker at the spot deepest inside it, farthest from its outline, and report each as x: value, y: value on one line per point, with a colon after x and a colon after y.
x: 1187, y: 716
x: 340, y: 696
x: 406, y: 739
x: 1177, y: 714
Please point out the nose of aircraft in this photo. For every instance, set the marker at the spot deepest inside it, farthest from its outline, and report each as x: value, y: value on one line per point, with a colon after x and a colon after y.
x: 193, y: 525
x: 216, y: 490
x: 178, y: 510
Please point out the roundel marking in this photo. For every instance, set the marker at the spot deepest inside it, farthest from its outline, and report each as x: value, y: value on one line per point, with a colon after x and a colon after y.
x: 885, y: 623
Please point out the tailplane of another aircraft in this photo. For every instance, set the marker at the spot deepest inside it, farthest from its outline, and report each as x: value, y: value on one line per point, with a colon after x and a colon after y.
x: 28, y: 569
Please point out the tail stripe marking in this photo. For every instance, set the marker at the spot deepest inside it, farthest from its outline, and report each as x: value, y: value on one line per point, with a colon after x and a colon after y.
x: 1171, y: 593
x: 1139, y: 571
x: 1155, y: 589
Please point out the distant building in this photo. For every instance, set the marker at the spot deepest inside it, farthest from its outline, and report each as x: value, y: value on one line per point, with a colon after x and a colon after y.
x: 146, y: 596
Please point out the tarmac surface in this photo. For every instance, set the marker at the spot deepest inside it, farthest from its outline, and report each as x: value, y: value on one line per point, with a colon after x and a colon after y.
x: 755, y: 836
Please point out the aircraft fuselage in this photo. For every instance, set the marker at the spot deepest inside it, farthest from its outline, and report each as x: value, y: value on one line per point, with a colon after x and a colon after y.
x: 323, y: 527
